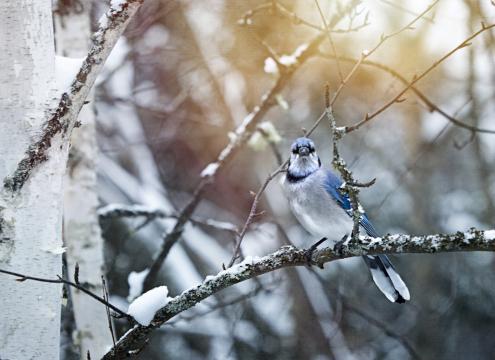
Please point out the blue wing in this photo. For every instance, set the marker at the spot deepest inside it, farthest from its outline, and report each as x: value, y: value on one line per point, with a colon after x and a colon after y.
x: 332, y: 185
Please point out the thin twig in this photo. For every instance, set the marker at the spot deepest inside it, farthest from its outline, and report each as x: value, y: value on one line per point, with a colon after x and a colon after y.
x: 252, y: 212
x: 384, y: 327
x: 332, y: 44
x: 397, y: 98
x: 60, y: 280
x: 220, y: 305
x: 367, y: 53
x: 432, y: 107
x: 405, y: 10
x: 281, y: 10
x: 109, y: 318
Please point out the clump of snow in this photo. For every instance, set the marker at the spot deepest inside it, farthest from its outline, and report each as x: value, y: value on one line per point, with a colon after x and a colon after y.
x: 270, y: 66
x: 236, y: 269
x: 103, y: 22
x: 135, y: 281
x: 282, y: 102
x: 267, y: 133
x: 57, y: 250
x: 210, y: 170
x: 117, y: 4
x: 289, y: 60
x: 66, y: 70
x: 144, y: 308
x: 221, y: 225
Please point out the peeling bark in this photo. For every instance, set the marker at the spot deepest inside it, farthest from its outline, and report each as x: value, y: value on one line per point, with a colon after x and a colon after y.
x: 63, y: 119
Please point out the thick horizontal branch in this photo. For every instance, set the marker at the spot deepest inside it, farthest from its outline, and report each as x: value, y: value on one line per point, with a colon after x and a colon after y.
x: 64, y: 117
x: 473, y: 240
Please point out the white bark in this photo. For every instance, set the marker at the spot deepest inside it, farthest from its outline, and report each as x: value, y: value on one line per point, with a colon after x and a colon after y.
x: 30, y: 221
x: 82, y: 235
x: 33, y: 148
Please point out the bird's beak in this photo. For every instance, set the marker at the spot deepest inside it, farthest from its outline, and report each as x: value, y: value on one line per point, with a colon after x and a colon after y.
x: 303, y: 151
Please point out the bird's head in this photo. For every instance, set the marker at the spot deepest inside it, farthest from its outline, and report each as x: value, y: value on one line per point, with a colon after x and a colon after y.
x: 303, y: 159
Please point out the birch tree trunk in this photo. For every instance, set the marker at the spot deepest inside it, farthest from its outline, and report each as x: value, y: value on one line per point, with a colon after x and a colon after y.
x: 82, y: 234
x: 31, y: 218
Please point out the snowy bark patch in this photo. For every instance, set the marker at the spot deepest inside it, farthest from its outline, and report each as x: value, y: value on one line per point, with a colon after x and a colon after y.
x: 144, y: 308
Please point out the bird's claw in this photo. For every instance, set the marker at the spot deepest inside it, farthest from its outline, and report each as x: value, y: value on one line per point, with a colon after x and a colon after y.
x: 309, y: 253
x: 339, y: 246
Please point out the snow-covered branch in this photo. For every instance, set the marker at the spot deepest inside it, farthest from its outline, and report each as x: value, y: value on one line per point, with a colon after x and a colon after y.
x: 64, y: 118
x: 472, y: 240
x: 122, y: 210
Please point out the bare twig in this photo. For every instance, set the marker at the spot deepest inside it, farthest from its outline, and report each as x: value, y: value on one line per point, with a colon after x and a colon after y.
x: 60, y: 280
x: 281, y: 10
x: 397, y: 98
x: 252, y: 212
x: 367, y: 53
x: 427, y: 101
x: 109, y: 318
x: 473, y: 240
x: 405, y: 10
x: 384, y: 327
x: 344, y: 302
x: 220, y: 305
x: 330, y: 40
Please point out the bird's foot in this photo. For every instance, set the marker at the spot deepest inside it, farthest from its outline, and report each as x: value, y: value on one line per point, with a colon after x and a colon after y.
x: 309, y: 253
x: 339, y: 246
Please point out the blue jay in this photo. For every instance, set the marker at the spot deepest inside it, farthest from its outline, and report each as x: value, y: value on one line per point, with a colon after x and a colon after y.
x: 325, y: 212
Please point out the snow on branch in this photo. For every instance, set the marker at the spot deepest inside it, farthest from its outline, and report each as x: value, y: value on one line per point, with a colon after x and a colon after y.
x: 64, y: 118
x: 238, y: 139
x: 121, y: 210
x: 472, y: 240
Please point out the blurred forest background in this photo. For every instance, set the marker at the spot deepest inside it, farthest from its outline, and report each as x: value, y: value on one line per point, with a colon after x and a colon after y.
x: 188, y: 72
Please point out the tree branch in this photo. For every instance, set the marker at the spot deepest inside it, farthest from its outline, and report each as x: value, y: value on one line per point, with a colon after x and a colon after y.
x: 112, y: 211
x: 76, y: 285
x: 240, y: 137
x: 287, y: 256
x: 397, y: 98
x: 63, y: 119
x: 432, y: 107
x: 366, y: 54
x: 252, y: 212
